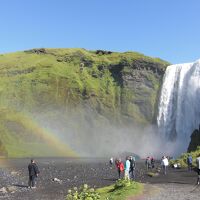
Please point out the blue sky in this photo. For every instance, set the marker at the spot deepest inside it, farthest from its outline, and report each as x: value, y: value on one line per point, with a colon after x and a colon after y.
x: 169, y: 29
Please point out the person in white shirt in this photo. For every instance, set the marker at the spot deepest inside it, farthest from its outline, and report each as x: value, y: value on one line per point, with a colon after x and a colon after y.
x: 164, y: 164
x: 127, y: 168
x: 198, y: 169
x: 111, y: 161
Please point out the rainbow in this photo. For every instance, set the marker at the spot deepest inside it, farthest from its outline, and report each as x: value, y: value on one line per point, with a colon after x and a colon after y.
x: 48, y: 136
x: 49, y: 139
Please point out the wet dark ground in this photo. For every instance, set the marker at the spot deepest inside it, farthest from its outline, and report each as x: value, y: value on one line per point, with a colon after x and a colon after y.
x: 75, y: 172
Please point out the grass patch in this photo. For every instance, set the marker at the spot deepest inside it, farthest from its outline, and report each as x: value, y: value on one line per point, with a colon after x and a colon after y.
x: 152, y: 174
x: 114, y: 192
x: 183, y: 158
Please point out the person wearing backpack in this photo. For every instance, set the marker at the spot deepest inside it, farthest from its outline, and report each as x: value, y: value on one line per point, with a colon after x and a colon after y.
x: 189, y: 162
x: 33, y: 174
x: 132, y: 167
x: 120, y: 167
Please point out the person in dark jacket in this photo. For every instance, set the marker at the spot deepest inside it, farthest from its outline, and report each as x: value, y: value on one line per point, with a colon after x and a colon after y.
x: 33, y: 173
x: 132, y: 167
x: 152, y: 162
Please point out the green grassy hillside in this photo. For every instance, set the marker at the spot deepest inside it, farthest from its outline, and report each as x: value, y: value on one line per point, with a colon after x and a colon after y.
x: 183, y: 158
x: 119, y: 87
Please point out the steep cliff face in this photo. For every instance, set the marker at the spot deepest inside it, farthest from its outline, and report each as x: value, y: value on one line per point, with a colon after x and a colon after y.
x: 140, y: 81
x: 195, y: 140
x: 98, y: 85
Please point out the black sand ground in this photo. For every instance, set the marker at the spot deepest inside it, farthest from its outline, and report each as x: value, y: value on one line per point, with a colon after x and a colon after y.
x: 94, y: 172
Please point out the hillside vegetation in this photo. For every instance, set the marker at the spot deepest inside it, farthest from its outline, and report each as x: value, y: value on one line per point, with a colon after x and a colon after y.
x: 193, y: 150
x: 117, y: 87
x: 183, y: 158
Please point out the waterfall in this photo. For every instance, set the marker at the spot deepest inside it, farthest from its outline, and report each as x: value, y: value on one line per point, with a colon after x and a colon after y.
x: 179, y: 106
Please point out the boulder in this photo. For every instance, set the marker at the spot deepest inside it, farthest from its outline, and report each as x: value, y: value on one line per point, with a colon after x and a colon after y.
x: 57, y: 180
x: 3, y: 190
x: 11, y: 189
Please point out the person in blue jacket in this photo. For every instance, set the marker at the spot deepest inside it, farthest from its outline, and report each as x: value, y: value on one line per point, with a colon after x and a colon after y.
x: 189, y: 162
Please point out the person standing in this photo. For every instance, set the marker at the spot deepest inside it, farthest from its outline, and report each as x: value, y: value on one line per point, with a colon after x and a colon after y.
x: 132, y: 167
x: 111, y: 161
x: 189, y: 162
x: 148, y: 163
x: 198, y: 169
x: 152, y: 162
x: 120, y: 167
x: 127, y: 168
x: 164, y: 164
x: 33, y: 173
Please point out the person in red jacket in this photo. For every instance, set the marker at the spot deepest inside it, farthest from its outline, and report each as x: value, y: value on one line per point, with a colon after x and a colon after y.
x: 120, y: 167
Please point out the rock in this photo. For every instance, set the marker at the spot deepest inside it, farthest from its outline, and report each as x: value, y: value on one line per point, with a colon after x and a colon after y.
x: 37, y: 51
x: 57, y: 180
x: 103, y: 52
x: 3, y: 190
x: 177, y: 165
x: 11, y: 189
x: 14, y: 173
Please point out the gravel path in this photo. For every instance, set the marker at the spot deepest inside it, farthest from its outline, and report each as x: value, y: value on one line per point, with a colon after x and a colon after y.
x: 178, y: 184
x: 174, y: 192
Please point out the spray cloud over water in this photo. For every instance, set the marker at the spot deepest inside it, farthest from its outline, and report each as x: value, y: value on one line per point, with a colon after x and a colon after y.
x: 91, y: 135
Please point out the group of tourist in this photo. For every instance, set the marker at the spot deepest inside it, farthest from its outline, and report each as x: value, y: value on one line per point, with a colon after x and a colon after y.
x: 164, y: 164
x: 150, y: 163
x: 128, y: 168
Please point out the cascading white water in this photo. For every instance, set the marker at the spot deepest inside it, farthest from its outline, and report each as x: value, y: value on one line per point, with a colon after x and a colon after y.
x: 179, y: 106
